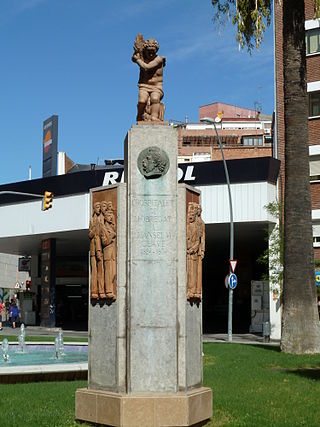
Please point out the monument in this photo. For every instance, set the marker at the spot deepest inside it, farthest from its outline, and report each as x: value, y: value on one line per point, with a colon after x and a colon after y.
x: 146, y: 250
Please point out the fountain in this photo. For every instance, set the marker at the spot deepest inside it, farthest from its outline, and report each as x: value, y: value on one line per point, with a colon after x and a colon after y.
x: 57, y: 348
x: 34, y: 361
x: 61, y: 343
x: 21, y: 338
x: 5, y: 350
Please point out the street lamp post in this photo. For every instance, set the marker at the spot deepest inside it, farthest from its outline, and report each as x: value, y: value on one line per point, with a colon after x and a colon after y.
x: 218, y: 120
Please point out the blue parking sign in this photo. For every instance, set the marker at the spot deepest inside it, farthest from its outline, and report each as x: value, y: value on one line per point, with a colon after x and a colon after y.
x: 317, y: 278
x: 233, y: 281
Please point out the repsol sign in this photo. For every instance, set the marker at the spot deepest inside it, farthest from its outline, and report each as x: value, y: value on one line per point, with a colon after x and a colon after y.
x: 186, y: 175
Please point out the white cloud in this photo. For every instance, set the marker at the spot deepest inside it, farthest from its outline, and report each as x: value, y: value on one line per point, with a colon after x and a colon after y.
x: 13, y: 8
x: 131, y: 10
x: 202, y: 45
x: 27, y: 4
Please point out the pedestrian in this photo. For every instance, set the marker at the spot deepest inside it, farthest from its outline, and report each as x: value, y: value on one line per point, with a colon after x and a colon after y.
x: 2, y: 314
x: 7, y: 305
x: 14, y: 314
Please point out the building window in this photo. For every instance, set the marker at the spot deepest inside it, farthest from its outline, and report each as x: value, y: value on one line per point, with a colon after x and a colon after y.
x: 314, y: 104
x: 315, y: 168
x: 316, y: 241
x: 313, y: 41
x: 252, y: 140
x: 201, y: 157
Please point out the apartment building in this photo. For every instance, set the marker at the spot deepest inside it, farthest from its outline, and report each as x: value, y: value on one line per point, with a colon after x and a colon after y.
x: 244, y: 133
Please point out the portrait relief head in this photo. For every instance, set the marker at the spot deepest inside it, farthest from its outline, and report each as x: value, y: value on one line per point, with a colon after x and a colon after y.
x: 153, y: 162
x: 192, y: 211
x: 109, y: 217
x: 97, y: 208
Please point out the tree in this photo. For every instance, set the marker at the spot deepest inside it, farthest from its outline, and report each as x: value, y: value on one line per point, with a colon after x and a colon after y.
x: 300, y: 320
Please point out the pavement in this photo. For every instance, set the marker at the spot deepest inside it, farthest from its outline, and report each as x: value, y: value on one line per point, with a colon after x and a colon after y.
x: 219, y: 338
x: 40, y: 331
x: 255, y: 339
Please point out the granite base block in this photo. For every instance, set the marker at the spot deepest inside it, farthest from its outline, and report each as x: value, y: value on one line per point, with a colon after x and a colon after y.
x: 192, y: 408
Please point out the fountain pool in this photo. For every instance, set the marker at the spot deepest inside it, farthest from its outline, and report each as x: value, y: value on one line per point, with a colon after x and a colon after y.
x: 42, y: 362
x: 37, y: 354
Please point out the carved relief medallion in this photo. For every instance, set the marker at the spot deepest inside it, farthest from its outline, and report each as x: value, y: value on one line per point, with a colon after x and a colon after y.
x: 153, y: 162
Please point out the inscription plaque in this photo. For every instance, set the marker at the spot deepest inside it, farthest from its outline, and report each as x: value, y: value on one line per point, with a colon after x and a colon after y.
x: 155, y: 222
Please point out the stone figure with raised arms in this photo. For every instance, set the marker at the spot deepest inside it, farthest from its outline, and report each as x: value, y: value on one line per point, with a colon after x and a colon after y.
x: 150, y: 109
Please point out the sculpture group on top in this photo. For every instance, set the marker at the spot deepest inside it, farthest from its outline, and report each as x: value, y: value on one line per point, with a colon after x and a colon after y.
x: 102, y: 234
x: 150, y: 107
x: 195, y: 251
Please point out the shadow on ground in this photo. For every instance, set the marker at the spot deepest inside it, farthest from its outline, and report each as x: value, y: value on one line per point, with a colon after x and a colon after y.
x: 310, y: 373
x: 275, y: 348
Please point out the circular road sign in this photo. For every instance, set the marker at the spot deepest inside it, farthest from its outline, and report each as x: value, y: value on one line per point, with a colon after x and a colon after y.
x: 317, y: 278
x: 232, y: 281
x: 226, y: 281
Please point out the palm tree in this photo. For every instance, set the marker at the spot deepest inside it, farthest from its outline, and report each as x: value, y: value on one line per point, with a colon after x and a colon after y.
x: 300, y: 320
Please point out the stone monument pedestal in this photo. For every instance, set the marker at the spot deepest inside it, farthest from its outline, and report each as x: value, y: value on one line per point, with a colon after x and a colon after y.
x: 145, y: 347
x: 144, y: 410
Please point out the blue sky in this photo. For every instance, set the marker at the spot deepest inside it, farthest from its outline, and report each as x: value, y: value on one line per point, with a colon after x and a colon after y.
x: 73, y: 58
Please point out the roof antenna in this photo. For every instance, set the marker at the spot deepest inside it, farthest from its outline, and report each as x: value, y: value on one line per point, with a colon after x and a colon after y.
x: 257, y: 104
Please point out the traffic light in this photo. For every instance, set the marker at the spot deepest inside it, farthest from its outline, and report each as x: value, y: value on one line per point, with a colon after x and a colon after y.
x: 28, y: 285
x: 47, y: 200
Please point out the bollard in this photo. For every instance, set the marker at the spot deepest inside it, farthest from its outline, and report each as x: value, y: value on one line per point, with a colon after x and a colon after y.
x: 266, y: 331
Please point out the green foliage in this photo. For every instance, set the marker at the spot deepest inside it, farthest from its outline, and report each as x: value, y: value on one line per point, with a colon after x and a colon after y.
x: 317, y: 264
x: 316, y: 9
x: 249, y: 16
x: 272, y: 257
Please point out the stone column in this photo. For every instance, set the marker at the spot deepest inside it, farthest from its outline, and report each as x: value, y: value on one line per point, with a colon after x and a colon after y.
x: 48, y: 283
x: 150, y: 342
x: 152, y: 260
x: 107, y: 319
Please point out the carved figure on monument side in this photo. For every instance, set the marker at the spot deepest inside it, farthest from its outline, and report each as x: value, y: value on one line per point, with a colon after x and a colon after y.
x: 202, y: 237
x: 96, y: 259
x: 107, y: 206
x: 108, y: 240
x: 150, y: 84
x: 193, y: 246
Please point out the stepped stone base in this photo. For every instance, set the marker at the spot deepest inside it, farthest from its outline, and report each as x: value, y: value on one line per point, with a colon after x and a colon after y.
x: 144, y: 410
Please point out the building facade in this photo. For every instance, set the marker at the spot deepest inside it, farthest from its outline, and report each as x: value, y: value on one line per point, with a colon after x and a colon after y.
x: 65, y: 226
x: 244, y: 133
